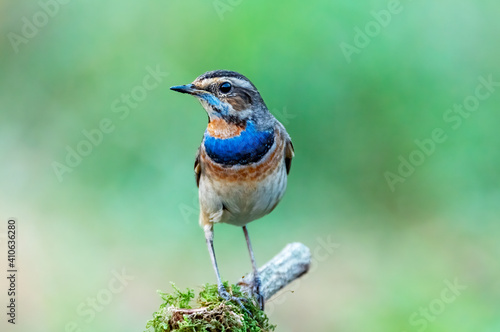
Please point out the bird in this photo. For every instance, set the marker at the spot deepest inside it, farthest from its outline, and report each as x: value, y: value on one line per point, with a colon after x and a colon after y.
x: 242, y: 164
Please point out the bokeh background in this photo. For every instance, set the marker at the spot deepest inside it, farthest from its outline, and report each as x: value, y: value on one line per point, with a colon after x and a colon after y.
x: 383, y: 256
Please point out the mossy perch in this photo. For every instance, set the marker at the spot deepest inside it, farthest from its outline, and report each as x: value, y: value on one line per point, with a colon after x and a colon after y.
x: 215, y: 314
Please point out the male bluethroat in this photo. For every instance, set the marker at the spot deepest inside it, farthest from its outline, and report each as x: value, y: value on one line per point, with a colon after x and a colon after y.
x: 243, y: 162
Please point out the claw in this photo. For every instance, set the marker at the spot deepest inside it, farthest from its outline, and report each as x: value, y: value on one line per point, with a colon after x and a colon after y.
x: 228, y: 297
x: 256, y: 292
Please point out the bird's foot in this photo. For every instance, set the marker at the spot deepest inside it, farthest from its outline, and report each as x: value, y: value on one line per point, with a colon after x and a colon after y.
x: 228, y: 297
x: 256, y: 290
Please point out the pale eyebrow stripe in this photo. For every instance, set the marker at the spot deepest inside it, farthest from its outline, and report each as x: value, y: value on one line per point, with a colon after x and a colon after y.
x: 242, y: 83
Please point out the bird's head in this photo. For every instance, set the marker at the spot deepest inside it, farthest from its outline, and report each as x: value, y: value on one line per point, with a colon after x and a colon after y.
x: 226, y: 95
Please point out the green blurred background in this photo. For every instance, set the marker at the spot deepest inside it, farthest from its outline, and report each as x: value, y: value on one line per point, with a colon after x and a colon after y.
x: 131, y: 202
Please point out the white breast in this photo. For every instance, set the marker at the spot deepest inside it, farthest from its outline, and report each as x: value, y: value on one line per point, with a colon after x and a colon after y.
x: 245, y: 203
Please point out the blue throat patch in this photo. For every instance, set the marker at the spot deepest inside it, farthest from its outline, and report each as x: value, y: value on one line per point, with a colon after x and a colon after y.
x: 216, y: 103
x: 249, y: 147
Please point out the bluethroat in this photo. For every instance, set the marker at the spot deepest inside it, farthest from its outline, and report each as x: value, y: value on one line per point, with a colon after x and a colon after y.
x: 243, y: 162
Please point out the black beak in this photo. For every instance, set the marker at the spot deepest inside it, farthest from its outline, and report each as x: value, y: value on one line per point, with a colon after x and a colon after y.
x: 188, y: 88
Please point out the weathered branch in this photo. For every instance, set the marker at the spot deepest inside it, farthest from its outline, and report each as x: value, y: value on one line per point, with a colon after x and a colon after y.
x: 291, y: 263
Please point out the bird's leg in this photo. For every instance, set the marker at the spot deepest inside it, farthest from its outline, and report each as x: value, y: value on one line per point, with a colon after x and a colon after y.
x: 209, y: 236
x: 256, y: 277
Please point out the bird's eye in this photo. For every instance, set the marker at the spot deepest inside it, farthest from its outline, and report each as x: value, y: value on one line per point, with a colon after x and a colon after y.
x: 225, y: 87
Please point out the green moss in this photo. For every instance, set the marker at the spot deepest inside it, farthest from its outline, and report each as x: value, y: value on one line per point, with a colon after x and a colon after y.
x: 211, y: 314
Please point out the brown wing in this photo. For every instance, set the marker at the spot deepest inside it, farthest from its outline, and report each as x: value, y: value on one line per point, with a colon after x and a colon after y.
x: 289, y: 153
x: 197, y: 168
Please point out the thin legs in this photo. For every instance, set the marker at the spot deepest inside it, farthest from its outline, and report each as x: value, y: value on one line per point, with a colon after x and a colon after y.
x: 209, y: 236
x: 256, y: 277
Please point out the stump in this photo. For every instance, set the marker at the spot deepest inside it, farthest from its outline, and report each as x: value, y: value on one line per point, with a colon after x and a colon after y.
x: 215, y: 314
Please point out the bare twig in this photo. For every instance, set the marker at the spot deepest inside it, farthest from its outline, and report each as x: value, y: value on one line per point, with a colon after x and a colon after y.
x: 291, y: 263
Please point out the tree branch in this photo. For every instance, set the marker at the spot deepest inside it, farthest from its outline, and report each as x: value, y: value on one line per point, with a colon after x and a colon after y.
x: 291, y: 263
